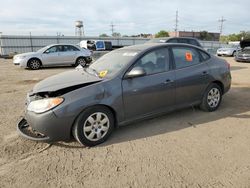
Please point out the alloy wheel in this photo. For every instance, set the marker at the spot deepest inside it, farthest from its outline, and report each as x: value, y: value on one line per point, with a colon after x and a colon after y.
x: 96, y: 126
x: 34, y: 64
x: 213, y: 97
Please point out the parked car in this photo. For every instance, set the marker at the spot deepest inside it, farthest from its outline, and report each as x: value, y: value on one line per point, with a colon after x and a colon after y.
x: 243, y: 54
x: 229, y: 51
x: 96, y: 45
x: 123, y: 86
x: 185, y: 40
x: 54, y: 55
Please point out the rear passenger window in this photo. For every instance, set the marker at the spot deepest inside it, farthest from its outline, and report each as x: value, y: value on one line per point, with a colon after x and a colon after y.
x: 204, y: 56
x: 185, y: 57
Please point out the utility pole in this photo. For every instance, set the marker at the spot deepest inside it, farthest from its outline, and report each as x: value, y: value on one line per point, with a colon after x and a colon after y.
x: 112, y: 28
x: 176, y: 23
x: 222, y: 20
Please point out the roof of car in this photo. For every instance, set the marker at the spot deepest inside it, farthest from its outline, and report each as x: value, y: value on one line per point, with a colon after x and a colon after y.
x: 167, y: 38
x: 146, y: 46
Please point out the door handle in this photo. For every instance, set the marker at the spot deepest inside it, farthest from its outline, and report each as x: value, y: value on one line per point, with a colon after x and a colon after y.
x: 168, y: 81
x: 204, y: 73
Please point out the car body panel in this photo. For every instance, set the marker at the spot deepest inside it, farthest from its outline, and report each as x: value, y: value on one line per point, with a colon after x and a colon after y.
x: 156, y: 88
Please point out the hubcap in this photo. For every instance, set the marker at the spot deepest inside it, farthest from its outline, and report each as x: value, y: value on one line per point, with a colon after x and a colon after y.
x: 96, y: 126
x: 213, y: 97
x: 35, y: 64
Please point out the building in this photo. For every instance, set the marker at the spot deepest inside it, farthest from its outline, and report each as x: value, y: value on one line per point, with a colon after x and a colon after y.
x: 201, y: 35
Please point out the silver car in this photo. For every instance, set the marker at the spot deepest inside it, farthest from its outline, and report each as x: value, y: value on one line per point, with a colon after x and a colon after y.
x: 229, y: 51
x: 54, y: 55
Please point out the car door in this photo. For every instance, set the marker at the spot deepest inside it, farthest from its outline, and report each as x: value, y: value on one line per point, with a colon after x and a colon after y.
x: 51, y: 56
x: 191, y: 75
x: 69, y: 54
x: 153, y: 92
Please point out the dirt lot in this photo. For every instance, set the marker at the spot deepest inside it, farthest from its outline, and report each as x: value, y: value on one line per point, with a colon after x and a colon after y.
x: 188, y: 148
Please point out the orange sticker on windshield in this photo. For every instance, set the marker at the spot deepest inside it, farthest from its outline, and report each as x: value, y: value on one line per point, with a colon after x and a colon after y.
x: 189, y: 56
x: 103, y: 73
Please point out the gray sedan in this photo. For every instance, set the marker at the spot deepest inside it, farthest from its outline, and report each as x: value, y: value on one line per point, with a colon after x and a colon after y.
x: 54, y: 55
x: 123, y: 86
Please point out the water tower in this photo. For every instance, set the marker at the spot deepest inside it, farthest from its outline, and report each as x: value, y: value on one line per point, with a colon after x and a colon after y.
x: 79, y: 31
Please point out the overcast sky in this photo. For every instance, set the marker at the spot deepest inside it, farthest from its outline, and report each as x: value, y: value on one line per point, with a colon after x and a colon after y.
x: 47, y: 17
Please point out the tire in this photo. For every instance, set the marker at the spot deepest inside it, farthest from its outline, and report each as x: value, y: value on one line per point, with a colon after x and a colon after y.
x: 81, y: 61
x: 87, y: 127
x: 212, y: 98
x: 234, y: 53
x: 34, y: 64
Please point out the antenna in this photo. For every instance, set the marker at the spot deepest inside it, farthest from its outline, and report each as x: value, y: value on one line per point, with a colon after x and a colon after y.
x: 222, y: 20
x: 112, y: 28
x: 176, y: 23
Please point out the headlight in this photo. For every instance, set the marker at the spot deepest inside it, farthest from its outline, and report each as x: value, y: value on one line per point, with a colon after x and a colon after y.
x: 43, y: 105
x: 20, y: 57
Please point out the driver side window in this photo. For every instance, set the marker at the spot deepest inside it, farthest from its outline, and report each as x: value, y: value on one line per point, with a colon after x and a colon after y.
x: 156, y: 61
x: 52, y: 49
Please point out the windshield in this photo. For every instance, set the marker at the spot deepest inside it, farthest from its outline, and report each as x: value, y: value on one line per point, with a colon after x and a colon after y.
x: 112, y: 62
x: 42, y: 49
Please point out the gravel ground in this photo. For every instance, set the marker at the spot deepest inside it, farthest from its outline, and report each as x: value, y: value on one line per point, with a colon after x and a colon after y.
x: 188, y: 148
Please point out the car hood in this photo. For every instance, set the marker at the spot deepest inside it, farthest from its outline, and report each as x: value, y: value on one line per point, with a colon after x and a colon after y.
x: 245, y: 43
x: 26, y: 54
x: 65, y: 80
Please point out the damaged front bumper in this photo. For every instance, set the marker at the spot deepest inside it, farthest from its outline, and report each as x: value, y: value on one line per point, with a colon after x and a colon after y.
x: 46, y: 127
x: 28, y: 132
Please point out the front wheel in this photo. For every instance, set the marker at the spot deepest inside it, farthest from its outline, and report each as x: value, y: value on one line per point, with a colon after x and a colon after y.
x: 34, y: 64
x: 212, y: 98
x: 93, y: 126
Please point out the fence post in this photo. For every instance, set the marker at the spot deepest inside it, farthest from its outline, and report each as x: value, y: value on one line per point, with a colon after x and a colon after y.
x: 31, y: 43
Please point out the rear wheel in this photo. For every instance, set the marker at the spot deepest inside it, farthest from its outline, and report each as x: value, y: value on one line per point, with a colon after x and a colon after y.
x: 212, y: 98
x: 81, y: 61
x: 93, y: 126
x: 34, y: 64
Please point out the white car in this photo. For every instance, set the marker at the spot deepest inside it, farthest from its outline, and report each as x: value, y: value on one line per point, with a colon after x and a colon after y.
x: 54, y: 55
x: 230, y: 51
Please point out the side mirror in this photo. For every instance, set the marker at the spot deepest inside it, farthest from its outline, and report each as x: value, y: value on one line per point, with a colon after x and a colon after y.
x: 136, y: 72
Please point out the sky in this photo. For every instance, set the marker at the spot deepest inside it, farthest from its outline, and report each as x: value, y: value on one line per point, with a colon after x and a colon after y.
x: 49, y: 17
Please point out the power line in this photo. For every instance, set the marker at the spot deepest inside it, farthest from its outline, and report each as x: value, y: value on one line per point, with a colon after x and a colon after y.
x: 112, y: 28
x: 176, y: 23
x: 222, y: 20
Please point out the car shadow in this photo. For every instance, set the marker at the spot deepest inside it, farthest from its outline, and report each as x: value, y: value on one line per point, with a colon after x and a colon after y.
x: 235, y: 103
x: 58, y: 67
